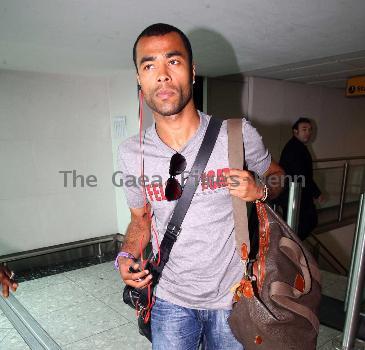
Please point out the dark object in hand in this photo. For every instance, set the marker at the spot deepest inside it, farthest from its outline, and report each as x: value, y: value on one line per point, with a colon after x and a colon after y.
x: 139, y: 299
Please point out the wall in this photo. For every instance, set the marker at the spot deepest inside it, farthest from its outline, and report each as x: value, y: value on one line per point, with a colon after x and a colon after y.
x: 274, y: 105
x: 225, y: 98
x: 339, y: 121
x: 50, y: 123
x: 124, y: 102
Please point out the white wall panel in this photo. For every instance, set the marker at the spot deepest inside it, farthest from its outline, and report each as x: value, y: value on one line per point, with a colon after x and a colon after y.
x: 50, y: 123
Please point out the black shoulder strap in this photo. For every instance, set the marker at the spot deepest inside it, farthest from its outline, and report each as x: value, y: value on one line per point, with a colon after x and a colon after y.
x: 182, y: 206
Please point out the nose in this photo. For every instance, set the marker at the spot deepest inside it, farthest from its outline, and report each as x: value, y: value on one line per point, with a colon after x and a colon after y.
x: 163, y: 75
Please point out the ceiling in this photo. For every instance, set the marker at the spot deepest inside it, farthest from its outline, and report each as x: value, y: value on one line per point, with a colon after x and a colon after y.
x: 318, y: 42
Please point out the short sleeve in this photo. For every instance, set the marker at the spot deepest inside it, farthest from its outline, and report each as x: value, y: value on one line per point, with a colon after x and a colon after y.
x: 132, y: 189
x: 257, y: 156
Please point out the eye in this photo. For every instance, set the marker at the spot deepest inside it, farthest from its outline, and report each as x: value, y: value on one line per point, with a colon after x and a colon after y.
x: 148, y: 67
x: 174, y: 62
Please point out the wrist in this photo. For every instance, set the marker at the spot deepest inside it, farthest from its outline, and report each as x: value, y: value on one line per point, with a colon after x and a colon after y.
x: 123, y: 256
x: 263, y: 193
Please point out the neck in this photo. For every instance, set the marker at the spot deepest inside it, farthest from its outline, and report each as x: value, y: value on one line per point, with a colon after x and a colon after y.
x: 176, y: 130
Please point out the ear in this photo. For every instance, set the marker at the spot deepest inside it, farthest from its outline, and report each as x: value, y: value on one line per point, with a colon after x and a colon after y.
x: 193, y: 73
x: 138, y: 81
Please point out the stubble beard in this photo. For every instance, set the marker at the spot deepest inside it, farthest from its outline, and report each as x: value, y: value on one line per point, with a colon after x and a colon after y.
x: 169, y: 109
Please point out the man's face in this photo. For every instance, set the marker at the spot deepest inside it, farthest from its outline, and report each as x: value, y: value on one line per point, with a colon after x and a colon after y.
x: 164, y: 73
x: 304, y: 132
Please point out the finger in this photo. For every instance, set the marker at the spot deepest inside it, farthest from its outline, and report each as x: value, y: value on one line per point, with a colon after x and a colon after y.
x: 139, y: 275
x: 236, y: 192
x: 14, y: 286
x: 235, y: 180
x: 242, y: 185
x: 133, y: 268
x: 144, y: 282
x: 238, y: 172
x: 139, y: 284
x: 6, y: 271
x: 125, y: 272
x: 5, y: 289
x: 240, y: 194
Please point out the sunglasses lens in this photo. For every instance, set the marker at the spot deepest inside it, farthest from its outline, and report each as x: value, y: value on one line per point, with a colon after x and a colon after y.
x: 173, y: 190
x: 177, y: 164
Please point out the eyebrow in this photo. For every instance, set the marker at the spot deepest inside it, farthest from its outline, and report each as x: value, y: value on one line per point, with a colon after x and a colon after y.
x: 174, y: 53
x: 167, y: 55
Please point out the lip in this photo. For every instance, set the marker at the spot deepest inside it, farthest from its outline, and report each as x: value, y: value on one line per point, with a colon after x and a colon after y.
x: 165, y: 93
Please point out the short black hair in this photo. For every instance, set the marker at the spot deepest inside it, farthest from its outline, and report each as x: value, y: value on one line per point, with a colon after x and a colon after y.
x: 159, y: 29
x: 300, y: 120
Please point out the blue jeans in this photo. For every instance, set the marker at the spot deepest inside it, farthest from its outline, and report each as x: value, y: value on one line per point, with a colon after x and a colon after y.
x: 179, y: 328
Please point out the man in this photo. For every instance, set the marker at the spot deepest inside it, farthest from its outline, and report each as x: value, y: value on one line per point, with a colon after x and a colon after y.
x: 6, y: 281
x: 297, y: 162
x: 193, y: 298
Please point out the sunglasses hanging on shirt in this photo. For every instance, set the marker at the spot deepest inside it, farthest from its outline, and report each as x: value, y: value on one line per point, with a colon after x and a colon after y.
x: 173, y: 188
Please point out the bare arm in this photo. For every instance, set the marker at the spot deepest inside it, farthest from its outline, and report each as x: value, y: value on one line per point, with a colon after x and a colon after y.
x: 138, y: 233
x: 138, y: 229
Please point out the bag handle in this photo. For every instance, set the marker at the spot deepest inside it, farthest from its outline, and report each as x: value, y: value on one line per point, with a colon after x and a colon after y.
x: 236, y: 157
x: 283, y: 294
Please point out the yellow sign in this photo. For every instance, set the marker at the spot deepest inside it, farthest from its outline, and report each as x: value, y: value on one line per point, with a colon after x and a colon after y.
x: 355, y: 86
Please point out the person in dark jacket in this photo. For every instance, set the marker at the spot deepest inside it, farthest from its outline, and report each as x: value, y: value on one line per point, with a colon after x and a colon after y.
x: 297, y: 162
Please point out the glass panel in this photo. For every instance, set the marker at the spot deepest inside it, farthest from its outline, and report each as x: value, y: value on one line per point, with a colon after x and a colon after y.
x: 355, y: 186
x: 329, y: 181
x: 355, y: 183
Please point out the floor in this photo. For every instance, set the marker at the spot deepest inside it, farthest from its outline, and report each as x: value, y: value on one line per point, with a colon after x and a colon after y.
x: 82, y: 309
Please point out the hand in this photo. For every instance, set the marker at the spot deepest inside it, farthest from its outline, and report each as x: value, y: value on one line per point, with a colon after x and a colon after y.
x: 6, y: 281
x: 321, y: 199
x: 242, y: 184
x: 133, y: 279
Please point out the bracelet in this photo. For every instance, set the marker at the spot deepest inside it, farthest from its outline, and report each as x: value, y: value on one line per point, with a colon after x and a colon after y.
x: 124, y: 255
x: 264, y: 197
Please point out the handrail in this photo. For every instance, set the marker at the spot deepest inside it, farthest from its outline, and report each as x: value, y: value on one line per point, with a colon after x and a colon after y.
x: 343, y: 190
x: 356, y: 283
x: 28, y: 328
x: 60, y: 247
x: 294, y: 205
x: 337, y: 159
x: 329, y: 253
x: 313, y: 246
x: 345, y: 165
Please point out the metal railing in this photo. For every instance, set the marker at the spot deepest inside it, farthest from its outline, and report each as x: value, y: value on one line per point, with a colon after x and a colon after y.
x: 294, y: 205
x: 62, y: 247
x: 293, y: 221
x: 355, y: 283
x: 27, y: 327
x: 345, y: 165
x: 354, y: 292
x: 331, y: 257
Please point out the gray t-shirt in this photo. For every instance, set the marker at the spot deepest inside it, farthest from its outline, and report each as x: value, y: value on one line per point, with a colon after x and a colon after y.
x: 203, y: 263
